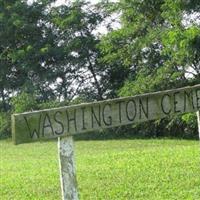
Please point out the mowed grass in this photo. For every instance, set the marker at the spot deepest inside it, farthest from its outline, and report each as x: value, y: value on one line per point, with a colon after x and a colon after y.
x: 107, y: 170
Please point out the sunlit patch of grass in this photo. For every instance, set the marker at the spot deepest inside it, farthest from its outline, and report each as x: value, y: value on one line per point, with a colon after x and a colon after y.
x: 114, y: 169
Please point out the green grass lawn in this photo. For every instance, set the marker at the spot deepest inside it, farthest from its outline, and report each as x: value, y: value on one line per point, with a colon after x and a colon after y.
x: 107, y: 170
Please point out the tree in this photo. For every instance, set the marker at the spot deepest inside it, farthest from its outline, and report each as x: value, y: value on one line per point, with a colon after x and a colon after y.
x: 22, y: 44
x: 134, y: 45
x: 156, y: 46
x: 49, y: 51
x: 78, y: 69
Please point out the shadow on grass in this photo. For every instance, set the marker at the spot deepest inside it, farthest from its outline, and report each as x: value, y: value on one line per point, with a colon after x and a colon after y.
x: 106, y: 135
x: 119, y: 134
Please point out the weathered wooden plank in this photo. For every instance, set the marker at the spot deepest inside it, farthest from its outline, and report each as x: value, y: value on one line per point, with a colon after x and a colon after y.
x: 67, y: 168
x: 71, y: 120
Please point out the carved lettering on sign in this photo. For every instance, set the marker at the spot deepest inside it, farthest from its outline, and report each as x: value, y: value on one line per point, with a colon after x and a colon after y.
x: 131, y: 110
x: 106, y: 113
x: 111, y: 113
x: 144, y: 107
x: 83, y: 118
x: 188, y: 99
x: 166, y: 97
x: 96, y: 116
x: 59, y: 122
x: 35, y: 132
x: 120, y: 110
x: 71, y: 120
x: 47, y: 125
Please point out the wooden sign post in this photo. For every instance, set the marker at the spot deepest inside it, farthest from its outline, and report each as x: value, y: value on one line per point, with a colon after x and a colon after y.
x: 67, y: 168
x: 65, y: 122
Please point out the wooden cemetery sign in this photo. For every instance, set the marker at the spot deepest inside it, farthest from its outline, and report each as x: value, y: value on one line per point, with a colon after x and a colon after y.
x: 71, y: 120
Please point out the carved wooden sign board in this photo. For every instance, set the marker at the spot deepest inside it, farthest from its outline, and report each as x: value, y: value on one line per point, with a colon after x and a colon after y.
x: 82, y: 118
x: 67, y: 121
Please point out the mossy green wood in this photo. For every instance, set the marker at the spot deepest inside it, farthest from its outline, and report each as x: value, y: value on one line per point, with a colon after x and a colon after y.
x: 66, y: 121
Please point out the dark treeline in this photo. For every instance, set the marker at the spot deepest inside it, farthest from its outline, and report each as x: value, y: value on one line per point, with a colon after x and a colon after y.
x: 52, y: 56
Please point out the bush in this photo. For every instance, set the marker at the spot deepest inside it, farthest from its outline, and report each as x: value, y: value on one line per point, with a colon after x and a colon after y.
x: 48, y: 105
x: 5, y: 125
x: 24, y: 102
x: 191, y: 126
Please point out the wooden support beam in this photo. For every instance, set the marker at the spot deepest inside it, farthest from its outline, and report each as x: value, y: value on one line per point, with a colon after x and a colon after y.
x: 67, y: 168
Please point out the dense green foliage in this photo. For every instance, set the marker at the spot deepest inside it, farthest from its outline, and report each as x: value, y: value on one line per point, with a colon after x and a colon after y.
x: 154, y: 44
x: 51, y: 55
x: 160, y: 50
x: 47, y: 50
x: 115, y: 170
